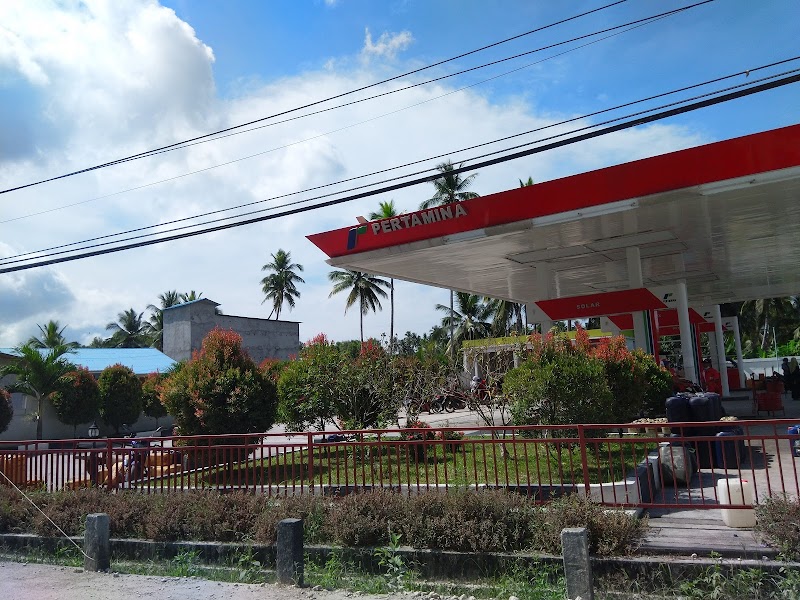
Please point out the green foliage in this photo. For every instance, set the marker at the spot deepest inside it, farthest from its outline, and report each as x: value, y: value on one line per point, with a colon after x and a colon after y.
x: 220, y: 390
x: 120, y: 396
x: 327, y: 385
x: 6, y: 410
x: 564, y: 388
x: 395, y: 569
x: 78, y: 399
x: 151, y: 396
x: 778, y: 519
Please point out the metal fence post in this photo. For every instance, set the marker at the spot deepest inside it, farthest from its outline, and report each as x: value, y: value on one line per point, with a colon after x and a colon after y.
x: 311, y: 461
x: 109, y: 463
x: 584, y: 460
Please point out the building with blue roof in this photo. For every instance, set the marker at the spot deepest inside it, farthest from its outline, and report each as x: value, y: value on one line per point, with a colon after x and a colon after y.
x: 142, y: 361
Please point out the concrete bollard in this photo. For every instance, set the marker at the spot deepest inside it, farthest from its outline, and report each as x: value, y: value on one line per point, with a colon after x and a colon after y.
x: 577, y: 566
x: 289, y: 552
x: 96, y: 543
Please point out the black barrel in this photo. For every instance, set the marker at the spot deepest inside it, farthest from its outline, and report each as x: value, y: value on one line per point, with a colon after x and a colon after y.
x: 729, y: 454
x: 678, y: 409
x: 705, y: 407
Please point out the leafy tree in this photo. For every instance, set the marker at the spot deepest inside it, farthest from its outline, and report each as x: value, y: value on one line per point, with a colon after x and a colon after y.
x: 37, y: 374
x: 363, y: 288
x: 308, y: 385
x: 220, y: 390
x: 51, y: 336
x: 469, y: 321
x: 120, y: 396
x: 558, y: 384
x: 130, y: 330
x: 505, y: 316
x: 450, y: 187
x: 166, y: 300
x: 387, y: 210
x: 6, y: 409
x: 78, y: 398
x: 280, y: 286
x: 151, y: 397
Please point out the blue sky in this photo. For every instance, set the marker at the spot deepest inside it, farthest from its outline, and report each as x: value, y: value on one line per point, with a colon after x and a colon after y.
x: 82, y: 82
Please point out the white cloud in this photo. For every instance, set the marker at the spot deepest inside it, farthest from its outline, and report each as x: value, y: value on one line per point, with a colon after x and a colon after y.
x: 387, y: 46
x: 124, y: 76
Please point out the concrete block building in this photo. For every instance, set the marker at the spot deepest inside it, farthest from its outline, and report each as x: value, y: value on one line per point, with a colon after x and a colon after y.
x: 185, y: 326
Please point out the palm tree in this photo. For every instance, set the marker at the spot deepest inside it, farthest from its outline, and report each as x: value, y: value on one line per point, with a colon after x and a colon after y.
x: 527, y: 183
x: 190, y: 296
x: 167, y: 299
x: 505, y: 316
x: 279, y: 286
x: 761, y: 317
x: 471, y: 320
x: 37, y: 373
x: 387, y: 210
x: 52, y: 335
x: 450, y: 187
x: 130, y: 330
x: 363, y: 288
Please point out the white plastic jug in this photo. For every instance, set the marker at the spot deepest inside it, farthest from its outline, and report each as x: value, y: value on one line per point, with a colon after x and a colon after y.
x: 736, y: 491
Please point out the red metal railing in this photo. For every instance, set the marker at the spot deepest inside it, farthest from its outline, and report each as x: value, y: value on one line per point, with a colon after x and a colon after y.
x: 621, y: 464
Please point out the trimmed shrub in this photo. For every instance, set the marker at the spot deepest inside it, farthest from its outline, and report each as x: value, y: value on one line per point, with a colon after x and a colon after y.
x: 120, y: 396
x: 778, y: 519
x: 151, y: 396
x: 78, y: 398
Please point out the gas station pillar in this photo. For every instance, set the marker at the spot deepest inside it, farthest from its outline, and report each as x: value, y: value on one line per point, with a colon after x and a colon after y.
x: 545, y: 287
x: 687, y: 347
x: 640, y: 336
x: 720, y: 341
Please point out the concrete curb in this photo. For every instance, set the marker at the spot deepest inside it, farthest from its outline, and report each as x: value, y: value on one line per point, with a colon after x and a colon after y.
x: 429, y: 563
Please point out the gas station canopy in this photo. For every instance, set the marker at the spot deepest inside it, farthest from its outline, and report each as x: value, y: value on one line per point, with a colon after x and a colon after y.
x: 724, y: 218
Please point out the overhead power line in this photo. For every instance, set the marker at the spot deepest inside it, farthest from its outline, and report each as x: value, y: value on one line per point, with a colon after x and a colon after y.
x: 428, y: 178
x: 183, y: 143
x: 52, y: 250
x: 617, y: 30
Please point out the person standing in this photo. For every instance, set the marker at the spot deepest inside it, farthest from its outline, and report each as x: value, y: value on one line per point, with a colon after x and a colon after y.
x: 793, y: 379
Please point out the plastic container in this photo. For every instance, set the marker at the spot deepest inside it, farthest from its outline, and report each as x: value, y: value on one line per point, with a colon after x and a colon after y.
x: 736, y: 491
x: 729, y: 454
x: 678, y: 463
x: 678, y: 409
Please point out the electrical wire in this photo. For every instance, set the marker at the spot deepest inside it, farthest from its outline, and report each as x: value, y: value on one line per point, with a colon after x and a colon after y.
x: 636, y: 24
x: 457, y: 170
x: 178, y: 145
x: 21, y: 257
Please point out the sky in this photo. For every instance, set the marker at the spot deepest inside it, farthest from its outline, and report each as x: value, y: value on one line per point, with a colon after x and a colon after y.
x: 87, y: 82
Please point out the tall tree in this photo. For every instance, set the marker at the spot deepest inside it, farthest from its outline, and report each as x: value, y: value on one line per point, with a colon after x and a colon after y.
x: 450, y: 187
x: 363, y: 288
x: 130, y: 330
x: 51, y: 335
x: 506, y: 316
x: 387, y: 210
x: 470, y: 320
x: 764, y: 318
x: 280, y: 286
x: 527, y: 183
x: 37, y: 374
x: 167, y: 299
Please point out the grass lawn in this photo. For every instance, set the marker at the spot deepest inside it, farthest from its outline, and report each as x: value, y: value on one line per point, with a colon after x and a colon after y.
x: 469, y: 462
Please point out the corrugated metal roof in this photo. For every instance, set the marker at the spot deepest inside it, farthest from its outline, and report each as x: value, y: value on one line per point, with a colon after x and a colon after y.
x: 140, y: 360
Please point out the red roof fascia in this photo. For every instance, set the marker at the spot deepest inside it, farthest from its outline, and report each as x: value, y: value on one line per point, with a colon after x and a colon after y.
x: 719, y: 161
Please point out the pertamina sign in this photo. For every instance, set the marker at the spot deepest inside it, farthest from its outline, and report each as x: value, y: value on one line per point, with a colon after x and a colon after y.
x: 422, y: 218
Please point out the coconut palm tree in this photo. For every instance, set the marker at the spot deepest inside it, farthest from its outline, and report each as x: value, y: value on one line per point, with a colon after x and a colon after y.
x: 51, y: 336
x: 450, y: 187
x: 506, y: 316
x: 760, y: 318
x: 280, y: 285
x: 527, y: 183
x: 37, y: 373
x: 363, y: 288
x: 385, y: 211
x: 471, y: 320
x: 190, y: 296
x: 130, y: 330
x: 167, y: 299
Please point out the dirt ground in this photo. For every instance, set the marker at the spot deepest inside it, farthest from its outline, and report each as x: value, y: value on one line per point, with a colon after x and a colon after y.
x: 20, y: 581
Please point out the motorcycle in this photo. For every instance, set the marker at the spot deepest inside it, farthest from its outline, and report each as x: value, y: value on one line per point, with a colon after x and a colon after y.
x: 450, y: 401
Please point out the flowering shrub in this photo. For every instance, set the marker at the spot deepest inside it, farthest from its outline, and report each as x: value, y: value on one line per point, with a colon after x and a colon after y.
x: 220, y: 390
x: 425, y: 434
x: 453, y: 439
